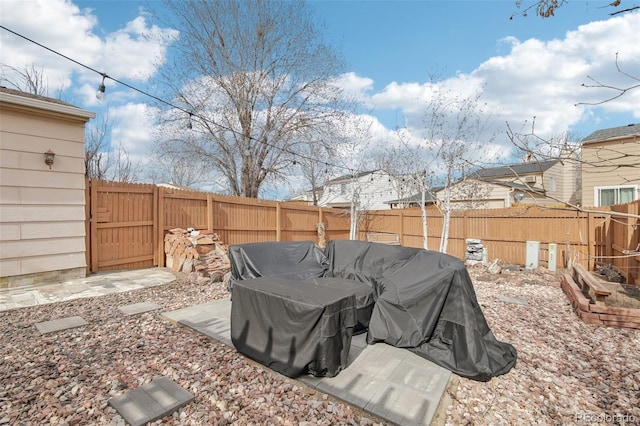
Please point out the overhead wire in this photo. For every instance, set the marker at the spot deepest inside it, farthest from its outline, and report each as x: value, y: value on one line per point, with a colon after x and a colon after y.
x: 190, y: 114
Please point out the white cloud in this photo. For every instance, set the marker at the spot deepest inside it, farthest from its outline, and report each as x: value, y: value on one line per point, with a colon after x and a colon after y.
x: 354, y: 85
x: 540, y: 78
x: 544, y: 79
x: 133, y: 127
x: 133, y: 52
x: 529, y: 78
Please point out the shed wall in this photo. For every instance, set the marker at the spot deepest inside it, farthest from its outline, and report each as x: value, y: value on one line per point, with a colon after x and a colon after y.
x: 42, y: 228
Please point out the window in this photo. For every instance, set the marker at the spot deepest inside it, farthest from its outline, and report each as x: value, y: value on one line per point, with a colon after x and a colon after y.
x: 552, y: 183
x: 607, y: 196
x: 343, y: 188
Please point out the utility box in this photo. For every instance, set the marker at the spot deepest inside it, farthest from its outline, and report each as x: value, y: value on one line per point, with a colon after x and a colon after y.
x: 553, y: 257
x: 532, y: 254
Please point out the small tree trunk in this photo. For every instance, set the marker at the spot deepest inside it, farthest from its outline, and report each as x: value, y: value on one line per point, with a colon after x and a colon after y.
x: 353, y: 229
x: 444, y: 237
x: 423, y: 209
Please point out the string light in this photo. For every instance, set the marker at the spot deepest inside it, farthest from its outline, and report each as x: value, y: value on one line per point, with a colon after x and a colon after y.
x: 102, y: 88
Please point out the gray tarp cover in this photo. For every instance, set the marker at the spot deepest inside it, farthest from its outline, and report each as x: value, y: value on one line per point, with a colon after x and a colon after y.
x: 296, y: 260
x: 293, y: 326
x: 427, y: 304
x: 424, y: 300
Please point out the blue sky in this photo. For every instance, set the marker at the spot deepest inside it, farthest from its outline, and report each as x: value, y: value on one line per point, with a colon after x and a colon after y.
x: 525, y: 66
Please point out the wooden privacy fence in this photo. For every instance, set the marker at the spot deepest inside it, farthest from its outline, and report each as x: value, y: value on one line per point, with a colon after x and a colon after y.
x: 582, y: 237
x: 126, y: 224
x: 122, y: 225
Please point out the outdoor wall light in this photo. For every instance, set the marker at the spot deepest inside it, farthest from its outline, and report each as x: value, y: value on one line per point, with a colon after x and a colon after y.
x: 48, y: 158
x: 101, y: 89
x: 518, y: 196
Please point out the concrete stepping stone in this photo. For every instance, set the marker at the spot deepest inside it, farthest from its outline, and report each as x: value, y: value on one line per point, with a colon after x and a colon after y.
x: 151, y: 402
x: 60, y: 324
x: 513, y: 300
x: 139, y: 308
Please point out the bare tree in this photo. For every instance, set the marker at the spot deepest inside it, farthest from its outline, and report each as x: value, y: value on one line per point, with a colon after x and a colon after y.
x: 313, y: 171
x: 456, y: 129
x: 459, y: 129
x: 29, y: 79
x: 96, y: 158
x: 255, y: 76
x: 105, y: 160
x: 618, y: 91
x: 175, y: 165
x: 606, y: 159
x: 123, y: 169
x: 547, y: 8
x: 410, y: 165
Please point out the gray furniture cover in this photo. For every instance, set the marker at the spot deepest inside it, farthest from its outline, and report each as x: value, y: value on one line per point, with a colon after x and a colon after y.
x: 427, y: 304
x: 297, y: 260
x: 292, y: 326
x: 406, y: 297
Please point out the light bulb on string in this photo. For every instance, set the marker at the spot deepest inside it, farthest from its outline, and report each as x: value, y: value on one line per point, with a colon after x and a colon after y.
x: 101, y: 89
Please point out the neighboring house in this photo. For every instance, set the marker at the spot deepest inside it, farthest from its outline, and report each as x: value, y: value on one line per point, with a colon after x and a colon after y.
x: 543, y: 183
x: 307, y: 196
x: 548, y: 182
x: 413, y: 201
x: 369, y: 189
x: 42, y: 206
x: 611, y: 166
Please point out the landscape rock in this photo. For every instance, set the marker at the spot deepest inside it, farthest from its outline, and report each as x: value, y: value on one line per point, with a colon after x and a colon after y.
x: 565, y: 368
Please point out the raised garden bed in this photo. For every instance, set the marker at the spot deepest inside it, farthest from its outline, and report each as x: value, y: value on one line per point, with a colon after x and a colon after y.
x: 601, y: 303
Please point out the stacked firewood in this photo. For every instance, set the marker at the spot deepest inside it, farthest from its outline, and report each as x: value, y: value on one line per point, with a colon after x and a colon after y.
x: 200, y: 254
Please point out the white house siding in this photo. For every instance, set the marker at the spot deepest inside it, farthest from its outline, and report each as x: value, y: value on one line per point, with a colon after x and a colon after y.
x: 42, y: 229
x: 374, y: 188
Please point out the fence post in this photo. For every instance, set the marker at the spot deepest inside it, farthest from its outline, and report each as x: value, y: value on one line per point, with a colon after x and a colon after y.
x: 401, y: 233
x: 87, y: 224
x: 209, y: 211
x: 94, y: 225
x: 591, y: 241
x: 161, y: 227
x: 158, y: 243
x: 278, y: 225
x: 465, y: 216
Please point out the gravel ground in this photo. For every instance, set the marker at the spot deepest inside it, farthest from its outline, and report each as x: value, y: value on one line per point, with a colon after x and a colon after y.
x: 567, y: 372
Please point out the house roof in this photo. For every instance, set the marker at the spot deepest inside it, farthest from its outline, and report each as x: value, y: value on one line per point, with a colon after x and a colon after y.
x: 513, y: 170
x: 613, y: 133
x: 32, y: 96
x: 349, y: 177
x: 515, y: 185
x: 415, y: 198
x: 31, y: 101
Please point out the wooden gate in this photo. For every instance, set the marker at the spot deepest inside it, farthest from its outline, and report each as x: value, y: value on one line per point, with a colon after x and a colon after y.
x: 121, y: 230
